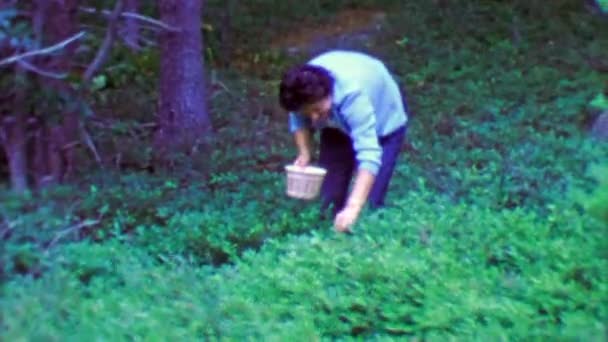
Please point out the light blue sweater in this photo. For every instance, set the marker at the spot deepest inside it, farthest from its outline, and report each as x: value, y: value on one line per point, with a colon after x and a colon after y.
x: 367, y: 103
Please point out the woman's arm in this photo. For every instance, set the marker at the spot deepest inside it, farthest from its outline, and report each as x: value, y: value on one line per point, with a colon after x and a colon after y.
x: 304, y: 144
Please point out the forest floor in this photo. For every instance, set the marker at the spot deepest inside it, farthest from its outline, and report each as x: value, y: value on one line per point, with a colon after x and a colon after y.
x: 347, y: 29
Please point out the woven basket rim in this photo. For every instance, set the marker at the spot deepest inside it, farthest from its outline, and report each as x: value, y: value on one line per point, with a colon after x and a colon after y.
x: 309, y: 170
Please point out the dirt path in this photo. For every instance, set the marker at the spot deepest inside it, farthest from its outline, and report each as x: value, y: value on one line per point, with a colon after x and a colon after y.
x: 350, y: 29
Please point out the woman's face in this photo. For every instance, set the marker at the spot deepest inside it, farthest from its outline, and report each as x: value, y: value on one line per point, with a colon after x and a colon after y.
x: 319, y: 111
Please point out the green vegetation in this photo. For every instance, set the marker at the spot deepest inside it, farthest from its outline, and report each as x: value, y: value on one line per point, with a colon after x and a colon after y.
x: 497, y: 228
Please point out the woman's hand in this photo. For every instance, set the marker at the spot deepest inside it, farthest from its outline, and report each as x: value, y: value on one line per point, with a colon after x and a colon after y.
x: 346, y: 218
x: 302, y: 160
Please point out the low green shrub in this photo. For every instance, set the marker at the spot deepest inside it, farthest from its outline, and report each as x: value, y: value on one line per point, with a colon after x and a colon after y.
x: 596, y: 200
x: 433, y: 271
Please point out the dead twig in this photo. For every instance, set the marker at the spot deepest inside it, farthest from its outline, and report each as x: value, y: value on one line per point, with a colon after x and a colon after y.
x: 50, y: 74
x: 132, y: 15
x: 152, y: 21
x: 44, y: 51
x: 105, y: 47
x: 69, y: 145
x: 90, y: 144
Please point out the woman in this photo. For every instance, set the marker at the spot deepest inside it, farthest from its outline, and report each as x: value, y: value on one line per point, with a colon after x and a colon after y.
x: 355, y: 102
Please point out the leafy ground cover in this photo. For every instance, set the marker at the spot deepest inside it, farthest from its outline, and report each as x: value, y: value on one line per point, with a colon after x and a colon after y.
x: 497, y: 228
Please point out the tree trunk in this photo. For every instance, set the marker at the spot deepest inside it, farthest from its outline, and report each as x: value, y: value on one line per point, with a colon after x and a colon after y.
x: 14, y: 140
x: 58, y: 22
x: 39, y: 157
x: 64, y: 24
x: 184, y: 124
x: 53, y: 153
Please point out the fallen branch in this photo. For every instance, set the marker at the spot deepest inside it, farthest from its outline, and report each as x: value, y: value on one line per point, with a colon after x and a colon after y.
x: 44, y: 51
x: 72, y: 229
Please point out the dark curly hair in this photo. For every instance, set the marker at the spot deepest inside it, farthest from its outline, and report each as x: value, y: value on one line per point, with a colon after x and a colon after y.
x: 304, y: 84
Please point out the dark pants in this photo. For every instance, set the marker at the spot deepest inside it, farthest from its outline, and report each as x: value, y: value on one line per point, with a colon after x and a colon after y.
x: 338, y: 157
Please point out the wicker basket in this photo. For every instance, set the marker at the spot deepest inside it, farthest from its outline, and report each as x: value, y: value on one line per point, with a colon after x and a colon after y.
x: 304, y: 182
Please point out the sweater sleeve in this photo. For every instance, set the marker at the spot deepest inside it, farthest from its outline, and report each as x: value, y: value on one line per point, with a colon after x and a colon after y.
x: 359, y: 115
x: 298, y: 121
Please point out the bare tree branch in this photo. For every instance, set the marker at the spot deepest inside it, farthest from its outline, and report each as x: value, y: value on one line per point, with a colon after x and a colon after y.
x: 152, y: 21
x: 104, y: 50
x: 29, y: 67
x: 47, y: 50
x: 133, y: 15
x: 149, y: 27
